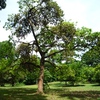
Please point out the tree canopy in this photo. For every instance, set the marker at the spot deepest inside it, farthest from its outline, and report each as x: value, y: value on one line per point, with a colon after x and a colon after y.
x: 42, y: 18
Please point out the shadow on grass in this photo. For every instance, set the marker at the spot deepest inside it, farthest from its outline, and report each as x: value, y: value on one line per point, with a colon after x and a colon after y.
x: 65, y: 94
x: 96, y: 85
x: 73, y: 85
x: 82, y: 95
x: 20, y: 94
x: 65, y: 85
x: 59, y: 94
x: 59, y: 84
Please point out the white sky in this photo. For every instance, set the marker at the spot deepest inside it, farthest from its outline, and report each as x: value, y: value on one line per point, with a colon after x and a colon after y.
x: 85, y: 12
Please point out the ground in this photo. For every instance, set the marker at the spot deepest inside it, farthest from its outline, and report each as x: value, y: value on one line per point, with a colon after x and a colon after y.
x: 57, y: 91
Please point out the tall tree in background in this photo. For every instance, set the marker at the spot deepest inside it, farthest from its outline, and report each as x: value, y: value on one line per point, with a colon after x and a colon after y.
x: 44, y: 19
x: 92, y: 56
x: 6, y: 58
x: 2, y: 4
x: 87, y: 41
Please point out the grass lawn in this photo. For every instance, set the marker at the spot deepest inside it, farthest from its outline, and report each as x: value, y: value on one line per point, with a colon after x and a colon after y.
x: 57, y: 91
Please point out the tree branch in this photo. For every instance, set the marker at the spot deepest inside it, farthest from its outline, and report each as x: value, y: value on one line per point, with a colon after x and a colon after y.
x: 50, y: 62
x: 55, y: 53
x: 36, y: 41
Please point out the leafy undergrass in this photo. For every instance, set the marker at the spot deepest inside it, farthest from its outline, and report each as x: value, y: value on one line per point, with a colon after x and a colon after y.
x: 57, y: 91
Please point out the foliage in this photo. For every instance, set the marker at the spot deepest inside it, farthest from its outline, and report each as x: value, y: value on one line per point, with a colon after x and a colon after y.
x: 87, y: 46
x: 3, y: 71
x: 88, y: 73
x: 6, y: 50
x: 97, y: 74
x: 10, y: 71
x: 82, y: 40
x: 31, y: 78
x: 78, y: 69
x: 50, y: 69
x: 74, y: 73
x: 85, y: 40
x: 28, y: 61
x: 65, y: 73
x: 6, y: 58
x: 92, y: 57
x: 2, y: 4
x: 24, y: 50
x: 47, y: 76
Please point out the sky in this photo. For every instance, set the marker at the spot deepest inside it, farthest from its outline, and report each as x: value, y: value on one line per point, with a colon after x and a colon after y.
x: 84, y: 12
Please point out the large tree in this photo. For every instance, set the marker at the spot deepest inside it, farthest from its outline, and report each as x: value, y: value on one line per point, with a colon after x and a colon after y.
x: 44, y: 19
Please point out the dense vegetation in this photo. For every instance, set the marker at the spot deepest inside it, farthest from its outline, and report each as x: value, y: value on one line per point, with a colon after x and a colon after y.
x: 58, y: 51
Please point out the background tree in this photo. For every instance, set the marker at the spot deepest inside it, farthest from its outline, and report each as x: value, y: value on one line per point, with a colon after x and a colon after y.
x: 66, y: 73
x: 3, y: 71
x: 88, y: 73
x: 28, y: 61
x: 37, y: 17
x: 6, y: 57
x: 77, y: 66
x: 86, y: 40
x: 10, y: 70
x: 92, y: 56
x: 2, y: 4
x: 88, y: 44
x: 97, y: 74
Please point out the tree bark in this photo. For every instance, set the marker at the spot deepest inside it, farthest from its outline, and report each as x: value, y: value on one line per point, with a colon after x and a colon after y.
x: 41, y: 77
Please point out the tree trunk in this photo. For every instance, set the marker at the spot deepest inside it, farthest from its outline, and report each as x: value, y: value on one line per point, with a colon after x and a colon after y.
x: 12, y: 80
x: 40, y: 80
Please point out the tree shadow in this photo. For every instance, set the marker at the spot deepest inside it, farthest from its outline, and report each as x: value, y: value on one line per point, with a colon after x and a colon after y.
x: 73, y: 85
x: 82, y: 95
x: 56, y: 85
x: 66, y: 85
x: 30, y: 94
x: 66, y: 94
x: 20, y: 94
x: 96, y: 85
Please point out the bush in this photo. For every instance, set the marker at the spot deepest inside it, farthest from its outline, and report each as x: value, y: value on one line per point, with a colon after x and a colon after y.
x: 97, y: 74
x: 30, y: 79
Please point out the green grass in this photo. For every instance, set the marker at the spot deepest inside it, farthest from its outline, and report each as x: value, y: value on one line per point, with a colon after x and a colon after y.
x: 57, y: 91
